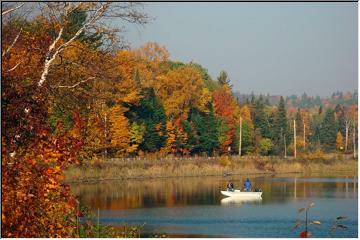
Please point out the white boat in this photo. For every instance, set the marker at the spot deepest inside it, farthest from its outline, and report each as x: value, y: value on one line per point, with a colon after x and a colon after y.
x: 238, y: 193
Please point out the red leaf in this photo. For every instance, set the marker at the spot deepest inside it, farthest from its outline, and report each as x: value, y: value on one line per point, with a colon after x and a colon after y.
x: 303, y: 234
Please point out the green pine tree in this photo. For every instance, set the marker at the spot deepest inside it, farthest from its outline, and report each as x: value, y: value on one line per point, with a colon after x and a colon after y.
x: 261, y: 119
x: 150, y: 112
x: 280, y: 127
x: 328, y: 130
x: 206, y: 125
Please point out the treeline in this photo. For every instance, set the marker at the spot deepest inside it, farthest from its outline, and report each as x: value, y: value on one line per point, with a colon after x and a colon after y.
x: 304, y: 101
x: 139, y: 102
x: 147, y: 104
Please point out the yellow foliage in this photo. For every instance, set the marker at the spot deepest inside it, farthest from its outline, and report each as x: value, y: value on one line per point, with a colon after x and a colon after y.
x: 153, y: 52
x: 119, y: 129
x: 205, y: 98
x: 95, y: 137
x: 245, y: 113
x: 178, y: 90
x: 339, y: 141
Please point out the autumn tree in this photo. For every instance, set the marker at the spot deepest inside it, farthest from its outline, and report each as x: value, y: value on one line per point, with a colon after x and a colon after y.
x: 44, y: 128
x: 179, y: 90
x: 339, y: 141
x: 224, y: 107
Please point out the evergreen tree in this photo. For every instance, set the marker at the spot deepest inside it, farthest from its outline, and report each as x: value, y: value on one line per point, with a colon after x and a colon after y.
x: 299, y: 123
x: 206, y: 125
x: 77, y: 19
x: 328, y: 130
x: 246, y: 138
x: 317, y: 101
x: 151, y: 114
x: 192, y: 139
x: 260, y: 117
x: 223, y: 79
x: 280, y: 127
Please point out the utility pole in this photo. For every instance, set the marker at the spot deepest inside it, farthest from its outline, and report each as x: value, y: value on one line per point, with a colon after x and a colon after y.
x: 294, y: 138
x: 354, y: 141
x: 347, y: 126
x: 304, y: 138
x: 285, y: 146
x: 240, y: 136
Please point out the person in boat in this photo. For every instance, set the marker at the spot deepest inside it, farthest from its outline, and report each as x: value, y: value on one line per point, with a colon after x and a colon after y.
x: 230, y: 186
x: 247, y: 185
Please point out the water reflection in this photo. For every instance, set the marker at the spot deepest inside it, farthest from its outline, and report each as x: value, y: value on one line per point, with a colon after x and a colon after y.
x: 240, y: 200
x: 177, y: 192
x: 195, y: 205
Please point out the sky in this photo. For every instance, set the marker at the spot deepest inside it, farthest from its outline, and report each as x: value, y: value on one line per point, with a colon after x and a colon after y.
x: 268, y: 48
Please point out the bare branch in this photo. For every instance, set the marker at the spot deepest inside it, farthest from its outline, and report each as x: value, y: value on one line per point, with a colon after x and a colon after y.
x: 11, y: 9
x: 13, y: 68
x: 52, y: 46
x: 12, y: 44
x: 49, y: 59
x: 52, y: 55
x: 76, y: 84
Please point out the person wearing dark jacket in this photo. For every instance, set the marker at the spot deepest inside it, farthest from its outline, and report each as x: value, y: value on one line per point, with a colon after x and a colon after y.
x: 230, y: 186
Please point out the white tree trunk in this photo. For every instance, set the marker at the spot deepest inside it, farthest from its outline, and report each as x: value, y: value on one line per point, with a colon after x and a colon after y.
x: 347, y: 126
x: 304, y: 138
x: 354, y: 132
x: 11, y: 9
x: 52, y: 52
x: 285, y: 150
x: 240, y: 136
x: 294, y: 138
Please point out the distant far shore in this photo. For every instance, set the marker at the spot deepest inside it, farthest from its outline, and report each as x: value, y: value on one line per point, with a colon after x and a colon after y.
x: 119, y: 168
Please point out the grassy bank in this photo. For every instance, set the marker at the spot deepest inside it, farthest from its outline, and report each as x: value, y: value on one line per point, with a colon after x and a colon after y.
x: 101, y: 169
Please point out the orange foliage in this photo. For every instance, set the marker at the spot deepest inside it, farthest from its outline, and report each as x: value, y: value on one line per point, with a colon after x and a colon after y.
x: 171, y: 137
x: 35, y: 202
x: 119, y: 130
x: 224, y: 106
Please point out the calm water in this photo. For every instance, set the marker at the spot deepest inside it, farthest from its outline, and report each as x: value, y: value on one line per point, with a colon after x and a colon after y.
x: 195, y: 207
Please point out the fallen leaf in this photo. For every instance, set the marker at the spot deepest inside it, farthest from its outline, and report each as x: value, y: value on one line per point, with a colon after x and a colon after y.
x: 316, y: 222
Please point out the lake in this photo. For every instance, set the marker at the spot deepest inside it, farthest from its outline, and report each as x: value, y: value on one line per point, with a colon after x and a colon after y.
x: 194, y: 206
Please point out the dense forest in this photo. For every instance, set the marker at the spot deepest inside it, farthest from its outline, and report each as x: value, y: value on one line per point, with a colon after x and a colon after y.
x: 304, y: 101
x: 72, y: 90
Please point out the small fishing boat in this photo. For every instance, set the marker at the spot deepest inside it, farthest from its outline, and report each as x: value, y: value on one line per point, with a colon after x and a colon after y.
x: 238, y: 193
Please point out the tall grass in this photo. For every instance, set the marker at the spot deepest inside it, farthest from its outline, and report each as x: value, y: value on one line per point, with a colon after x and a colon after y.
x: 101, y: 169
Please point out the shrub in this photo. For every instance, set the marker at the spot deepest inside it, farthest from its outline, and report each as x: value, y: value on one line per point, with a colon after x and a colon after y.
x: 225, y: 161
x: 265, y: 146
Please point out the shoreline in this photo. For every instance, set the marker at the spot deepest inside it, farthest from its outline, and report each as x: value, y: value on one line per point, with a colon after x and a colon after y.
x: 104, y: 170
x: 166, y: 177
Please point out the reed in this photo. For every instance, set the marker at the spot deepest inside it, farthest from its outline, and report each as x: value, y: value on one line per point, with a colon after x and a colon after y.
x: 102, y: 169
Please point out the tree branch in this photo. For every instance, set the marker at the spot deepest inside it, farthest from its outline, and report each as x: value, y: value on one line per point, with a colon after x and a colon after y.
x: 52, y: 54
x: 12, y: 44
x: 11, y: 9
x: 13, y: 68
x: 76, y: 84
